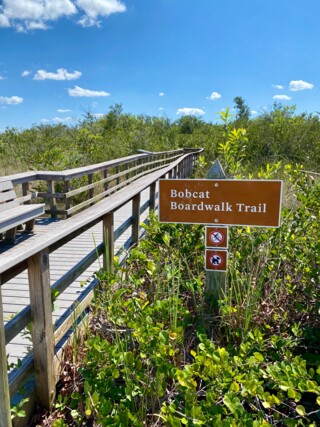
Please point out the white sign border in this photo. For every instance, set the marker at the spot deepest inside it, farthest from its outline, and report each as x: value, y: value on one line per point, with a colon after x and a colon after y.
x: 214, y: 269
x: 226, y: 244
x: 218, y: 223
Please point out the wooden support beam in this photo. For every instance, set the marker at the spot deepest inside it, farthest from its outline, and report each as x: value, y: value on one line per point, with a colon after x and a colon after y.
x: 127, y: 174
x: 42, y: 327
x: 215, y: 280
x: 91, y: 190
x: 5, y: 415
x: 25, y: 190
x: 117, y: 172
x: 105, y: 176
x: 52, y: 200
x: 152, y: 196
x: 135, y: 218
x: 108, y: 239
x: 66, y: 189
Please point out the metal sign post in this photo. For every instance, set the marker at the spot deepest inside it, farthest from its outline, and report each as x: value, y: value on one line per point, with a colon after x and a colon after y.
x: 219, y: 202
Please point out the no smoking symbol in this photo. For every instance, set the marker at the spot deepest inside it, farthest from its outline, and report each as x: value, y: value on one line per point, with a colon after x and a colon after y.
x: 216, y: 237
x: 216, y: 260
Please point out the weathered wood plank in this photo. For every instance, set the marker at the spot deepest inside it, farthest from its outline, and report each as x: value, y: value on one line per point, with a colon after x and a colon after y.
x: 42, y: 328
x: 19, y: 215
x: 7, y: 196
x: 5, y: 414
x: 135, y: 217
x: 83, y: 219
x: 215, y: 280
x: 6, y: 185
x: 9, y: 205
x: 108, y: 240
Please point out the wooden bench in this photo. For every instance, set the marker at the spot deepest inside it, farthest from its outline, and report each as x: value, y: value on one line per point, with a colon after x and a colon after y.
x: 13, y: 214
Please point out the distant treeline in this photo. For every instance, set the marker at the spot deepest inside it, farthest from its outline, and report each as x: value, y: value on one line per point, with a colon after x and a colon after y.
x: 278, y: 134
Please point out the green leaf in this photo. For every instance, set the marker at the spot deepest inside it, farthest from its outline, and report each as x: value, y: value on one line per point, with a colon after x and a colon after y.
x: 291, y: 393
x: 318, y: 400
x: 258, y: 356
x: 95, y: 398
x: 301, y: 410
x: 116, y: 373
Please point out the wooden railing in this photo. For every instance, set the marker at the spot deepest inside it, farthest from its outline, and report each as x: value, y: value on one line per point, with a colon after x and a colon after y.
x: 70, y: 191
x: 129, y: 181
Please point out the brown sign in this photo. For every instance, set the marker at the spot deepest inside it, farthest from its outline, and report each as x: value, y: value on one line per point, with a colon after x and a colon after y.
x: 216, y: 237
x: 216, y: 260
x: 214, y: 201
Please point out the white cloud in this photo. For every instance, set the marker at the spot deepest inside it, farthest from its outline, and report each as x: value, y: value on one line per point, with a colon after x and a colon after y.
x: 79, y: 91
x: 300, y: 85
x: 214, y: 96
x: 12, y: 100
x: 282, y: 97
x: 4, y: 21
x: 87, y: 22
x: 253, y: 112
x: 26, y: 15
x: 25, y: 73
x: 95, y: 8
x: 61, y: 74
x: 33, y: 14
x: 61, y: 110
x: 161, y: 93
x: 280, y: 87
x: 190, y: 111
x: 63, y: 119
x: 35, y: 25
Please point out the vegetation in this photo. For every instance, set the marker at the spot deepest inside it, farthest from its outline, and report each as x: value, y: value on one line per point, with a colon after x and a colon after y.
x: 156, y: 351
x: 155, y: 354
x: 278, y: 134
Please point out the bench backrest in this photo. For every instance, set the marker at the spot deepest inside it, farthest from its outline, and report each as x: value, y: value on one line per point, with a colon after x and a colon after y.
x: 8, y: 197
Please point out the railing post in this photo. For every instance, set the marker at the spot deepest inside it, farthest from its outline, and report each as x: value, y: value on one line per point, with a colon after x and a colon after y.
x: 118, y: 178
x: 25, y: 190
x: 52, y: 200
x: 135, y: 218
x: 5, y: 414
x: 105, y: 176
x: 127, y: 174
x: 108, y: 239
x: 67, y: 201
x: 152, y: 196
x: 91, y: 190
x: 42, y: 327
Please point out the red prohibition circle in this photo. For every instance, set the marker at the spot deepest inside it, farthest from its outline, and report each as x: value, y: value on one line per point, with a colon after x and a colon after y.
x: 216, y: 260
x: 216, y: 237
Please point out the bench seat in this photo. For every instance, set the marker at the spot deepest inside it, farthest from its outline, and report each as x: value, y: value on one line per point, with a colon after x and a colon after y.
x: 13, y: 214
x: 19, y: 215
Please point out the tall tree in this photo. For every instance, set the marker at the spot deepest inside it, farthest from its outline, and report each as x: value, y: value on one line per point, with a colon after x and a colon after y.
x: 243, y: 111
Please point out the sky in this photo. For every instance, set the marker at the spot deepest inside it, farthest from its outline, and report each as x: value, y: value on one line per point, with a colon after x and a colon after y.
x: 62, y: 59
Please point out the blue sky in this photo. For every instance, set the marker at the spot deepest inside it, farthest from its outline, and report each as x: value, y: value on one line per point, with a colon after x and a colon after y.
x: 60, y: 59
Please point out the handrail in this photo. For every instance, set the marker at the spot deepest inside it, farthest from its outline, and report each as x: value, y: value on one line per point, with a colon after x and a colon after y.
x: 102, y: 180
x: 22, y: 177
x: 33, y: 254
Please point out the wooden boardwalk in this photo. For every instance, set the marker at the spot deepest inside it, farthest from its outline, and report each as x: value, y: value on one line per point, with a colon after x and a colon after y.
x: 15, y: 293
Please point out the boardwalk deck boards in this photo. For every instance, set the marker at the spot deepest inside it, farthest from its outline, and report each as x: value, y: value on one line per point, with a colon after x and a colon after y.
x: 15, y: 293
